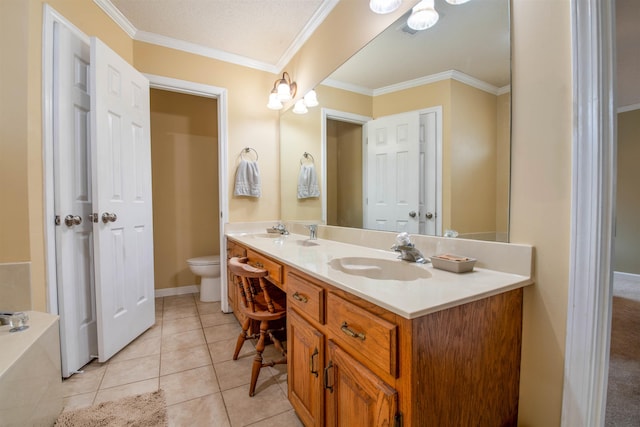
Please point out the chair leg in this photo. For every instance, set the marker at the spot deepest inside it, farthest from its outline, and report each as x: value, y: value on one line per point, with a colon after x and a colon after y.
x: 257, y: 361
x: 241, y: 338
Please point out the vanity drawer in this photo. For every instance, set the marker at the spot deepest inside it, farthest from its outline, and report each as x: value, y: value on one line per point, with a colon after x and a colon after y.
x: 306, y: 297
x: 363, y: 332
x: 235, y: 250
x: 260, y: 261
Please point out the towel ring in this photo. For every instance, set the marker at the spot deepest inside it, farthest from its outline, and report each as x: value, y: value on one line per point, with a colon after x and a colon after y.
x: 248, y: 150
x: 306, y: 156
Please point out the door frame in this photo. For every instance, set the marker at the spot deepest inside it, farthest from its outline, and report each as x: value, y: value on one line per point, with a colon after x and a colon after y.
x: 593, y: 190
x: 341, y: 116
x: 52, y: 17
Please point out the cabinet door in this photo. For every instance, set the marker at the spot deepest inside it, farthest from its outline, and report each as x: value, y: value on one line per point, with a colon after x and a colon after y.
x: 355, y: 395
x: 305, y: 359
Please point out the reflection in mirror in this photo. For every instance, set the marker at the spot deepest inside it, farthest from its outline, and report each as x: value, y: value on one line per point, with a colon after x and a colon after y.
x: 447, y: 88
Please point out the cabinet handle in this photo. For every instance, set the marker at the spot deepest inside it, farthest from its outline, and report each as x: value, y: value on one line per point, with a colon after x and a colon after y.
x: 296, y: 296
x: 315, y: 353
x: 345, y: 328
x: 258, y: 265
x: 326, y: 377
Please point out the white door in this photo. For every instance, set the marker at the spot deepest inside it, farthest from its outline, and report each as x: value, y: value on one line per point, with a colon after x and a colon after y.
x: 73, y: 198
x: 121, y: 173
x: 392, y: 173
x: 429, y: 212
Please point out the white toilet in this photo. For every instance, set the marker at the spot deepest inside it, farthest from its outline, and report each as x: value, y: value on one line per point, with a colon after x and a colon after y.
x: 208, y: 268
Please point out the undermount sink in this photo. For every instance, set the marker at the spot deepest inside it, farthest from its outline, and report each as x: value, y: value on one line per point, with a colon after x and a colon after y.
x: 380, y: 269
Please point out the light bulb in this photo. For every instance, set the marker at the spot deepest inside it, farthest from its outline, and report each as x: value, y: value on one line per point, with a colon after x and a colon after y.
x: 311, y: 99
x: 274, y: 102
x: 423, y: 16
x: 384, y: 6
x: 299, y: 107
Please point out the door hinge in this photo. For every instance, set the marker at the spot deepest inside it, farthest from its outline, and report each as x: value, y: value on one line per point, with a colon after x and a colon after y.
x: 398, y: 420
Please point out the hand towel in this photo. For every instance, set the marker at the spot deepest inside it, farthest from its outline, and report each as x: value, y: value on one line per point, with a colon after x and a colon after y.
x: 247, y: 179
x: 308, y: 182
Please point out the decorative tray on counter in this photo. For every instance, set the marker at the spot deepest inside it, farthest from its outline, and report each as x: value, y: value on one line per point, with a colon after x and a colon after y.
x: 453, y: 263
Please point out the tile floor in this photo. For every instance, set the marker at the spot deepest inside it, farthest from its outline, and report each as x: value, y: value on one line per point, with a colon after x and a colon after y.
x: 188, y: 353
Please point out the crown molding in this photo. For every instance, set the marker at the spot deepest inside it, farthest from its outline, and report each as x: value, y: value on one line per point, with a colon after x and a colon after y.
x: 433, y: 78
x: 348, y: 87
x: 117, y: 17
x: 627, y: 108
x: 197, y: 49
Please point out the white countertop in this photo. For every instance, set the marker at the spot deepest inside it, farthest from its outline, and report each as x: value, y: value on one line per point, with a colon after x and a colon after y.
x: 409, y: 299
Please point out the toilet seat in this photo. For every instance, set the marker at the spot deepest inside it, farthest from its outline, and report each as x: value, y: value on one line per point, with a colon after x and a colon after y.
x: 205, y: 260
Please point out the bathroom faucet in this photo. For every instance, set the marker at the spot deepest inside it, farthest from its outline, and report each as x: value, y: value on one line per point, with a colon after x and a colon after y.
x: 313, y: 231
x: 280, y: 228
x: 408, y: 251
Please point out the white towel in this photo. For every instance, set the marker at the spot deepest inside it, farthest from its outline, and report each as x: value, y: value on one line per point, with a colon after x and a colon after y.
x: 247, y: 179
x: 308, y: 182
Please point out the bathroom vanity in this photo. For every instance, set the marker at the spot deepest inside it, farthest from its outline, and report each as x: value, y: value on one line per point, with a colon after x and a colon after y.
x: 366, y: 349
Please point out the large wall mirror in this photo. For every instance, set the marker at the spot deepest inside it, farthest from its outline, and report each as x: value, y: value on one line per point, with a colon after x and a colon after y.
x: 446, y: 90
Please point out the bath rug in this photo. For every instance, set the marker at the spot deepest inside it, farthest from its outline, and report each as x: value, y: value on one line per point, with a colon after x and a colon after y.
x: 143, y: 410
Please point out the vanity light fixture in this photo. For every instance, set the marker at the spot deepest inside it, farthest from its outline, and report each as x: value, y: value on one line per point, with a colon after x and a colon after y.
x: 384, y: 6
x: 456, y: 1
x: 423, y: 16
x: 283, y: 90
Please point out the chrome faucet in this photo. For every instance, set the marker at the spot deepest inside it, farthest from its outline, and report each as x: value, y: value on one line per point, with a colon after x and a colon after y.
x: 280, y: 228
x: 408, y: 251
x: 313, y: 231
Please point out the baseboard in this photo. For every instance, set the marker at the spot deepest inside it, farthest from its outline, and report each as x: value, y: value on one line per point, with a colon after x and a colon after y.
x: 180, y: 290
x: 627, y: 276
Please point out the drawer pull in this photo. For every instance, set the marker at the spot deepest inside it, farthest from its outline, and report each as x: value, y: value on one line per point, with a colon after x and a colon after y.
x: 258, y: 265
x: 326, y: 377
x: 313, y: 371
x: 296, y: 296
x: 345, y: 328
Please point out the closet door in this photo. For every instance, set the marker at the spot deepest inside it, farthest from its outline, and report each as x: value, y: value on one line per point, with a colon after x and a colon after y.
x: 121, y: 169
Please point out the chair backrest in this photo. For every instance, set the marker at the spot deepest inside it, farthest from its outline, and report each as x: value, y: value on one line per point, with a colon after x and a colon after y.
x: 247, y: 275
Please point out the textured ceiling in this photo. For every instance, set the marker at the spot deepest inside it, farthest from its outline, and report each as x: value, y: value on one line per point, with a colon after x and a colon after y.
x: 262, y: 31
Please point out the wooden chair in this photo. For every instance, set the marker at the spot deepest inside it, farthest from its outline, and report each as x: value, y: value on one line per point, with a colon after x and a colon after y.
x: 262, y: 302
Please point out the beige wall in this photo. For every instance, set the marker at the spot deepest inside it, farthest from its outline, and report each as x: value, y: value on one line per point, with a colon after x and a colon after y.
x: 541, y: 195
x: 184, y: 160
x: 472, y: 160
x: 627, y: 240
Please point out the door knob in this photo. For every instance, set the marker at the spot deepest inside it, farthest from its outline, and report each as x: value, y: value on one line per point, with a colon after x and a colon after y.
x: 109, y: 217
x: 412, y: 214
x: 71, y: 220
x: 429, y: 215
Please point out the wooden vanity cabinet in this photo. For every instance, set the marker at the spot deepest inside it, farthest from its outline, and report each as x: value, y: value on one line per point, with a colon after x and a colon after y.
x: 328, y: 386
x: 353, y: 363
